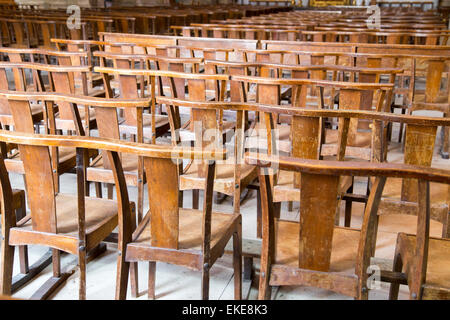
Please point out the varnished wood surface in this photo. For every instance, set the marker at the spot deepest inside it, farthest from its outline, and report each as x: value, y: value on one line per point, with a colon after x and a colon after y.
x: 351, y: 168
x: 146, y: 150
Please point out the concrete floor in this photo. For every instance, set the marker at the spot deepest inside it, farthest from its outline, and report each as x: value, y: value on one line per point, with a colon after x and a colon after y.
x: 173, y: 282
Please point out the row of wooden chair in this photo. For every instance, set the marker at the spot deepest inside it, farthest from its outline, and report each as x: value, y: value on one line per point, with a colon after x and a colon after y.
x: 34, y: 28
x: 417, y: 70
x: 294, y: 34
x: 237, y: 66
x: 274, y: 270
x: 413, y: 99
x: 257, y: 103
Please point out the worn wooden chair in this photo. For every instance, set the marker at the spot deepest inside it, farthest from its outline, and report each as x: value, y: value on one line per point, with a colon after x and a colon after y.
x: 422, y: 261
x: 71, y: 223
x: 51, y: 78
x: 209, y: 127
x: 285, y: 138
x: 98, y: 170
x: 171, y: 234
x: 401, y: 195
x: 327, y: 257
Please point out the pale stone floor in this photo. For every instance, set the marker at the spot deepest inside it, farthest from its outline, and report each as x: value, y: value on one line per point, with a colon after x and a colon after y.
x: 173, y: 282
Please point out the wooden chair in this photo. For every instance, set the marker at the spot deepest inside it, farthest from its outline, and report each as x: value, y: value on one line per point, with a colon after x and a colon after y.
x: 99, y: 170
x: 185, y: 237
x: 401, y: 195
x: 287, y: 138
x: 231, y: 179
x: 327, y: 257
x: 421, y: 261
x: 71, y: 223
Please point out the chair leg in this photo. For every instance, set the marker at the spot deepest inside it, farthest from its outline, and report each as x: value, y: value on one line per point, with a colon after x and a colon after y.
x: 57, y: 182
x: 264, y: 288
x: 110, y: 189
x: 23, y: 250
x: 151, y: 279
x: 290, y: 206
x: 195, y: 197
x: 400, y: 132
x: 398, y: 266
x: 56, y: 263
x: 134, y: 265
x: 445, y: 141
x: 98, y: 189
x: 88, y: 188
x: 180, y: 199
x: 348, y: 209
x: 140, y: 200
x: 82, y: 267
x: 123, y: 268
x: 258, y: 215
x: 237, y: 262
x: 277, y: 209
x: 205, y: 282
x: 6, y: 266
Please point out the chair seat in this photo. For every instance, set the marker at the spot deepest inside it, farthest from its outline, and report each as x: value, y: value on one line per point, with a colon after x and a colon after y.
x: 393, y: 187
x: 284, y: 190
x: 283, y: 138
x: 98, y: 173
x: 190, y: 229
x: 438, y: 272
x: 68, y: 124
x: 344, y: 246
x: 420, y: 98
x: 441, y: 105
x: 224, y: 180
x: 395, y: 221
x: 37, y: 113
x: 100, y: 218
x: 161, y: 123
x: 67, y: 160
x: 189, y: 135
x: 359, y: 148
x: 362, y: 139
x: 92, y: 92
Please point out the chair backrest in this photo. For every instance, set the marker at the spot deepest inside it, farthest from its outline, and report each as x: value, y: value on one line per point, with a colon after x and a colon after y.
x: 59, y: 79
x: 39, y: 174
